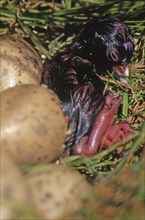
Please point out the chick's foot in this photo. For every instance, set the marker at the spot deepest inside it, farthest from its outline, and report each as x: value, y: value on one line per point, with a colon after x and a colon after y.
x: 116, y: 133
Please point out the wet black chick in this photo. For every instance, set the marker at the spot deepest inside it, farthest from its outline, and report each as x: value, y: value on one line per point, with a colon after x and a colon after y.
x: 102, y: 45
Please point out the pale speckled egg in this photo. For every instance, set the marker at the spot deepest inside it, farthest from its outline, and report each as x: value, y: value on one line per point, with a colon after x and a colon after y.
x: 20, y: 63
x: 16, y: 199
x: 32, y: 124
x: 57, y: 190
x: 12, y: 185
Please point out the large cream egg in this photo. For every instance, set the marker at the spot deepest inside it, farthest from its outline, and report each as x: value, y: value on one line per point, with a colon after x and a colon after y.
x: 32, y: 124
x: 19, y: 62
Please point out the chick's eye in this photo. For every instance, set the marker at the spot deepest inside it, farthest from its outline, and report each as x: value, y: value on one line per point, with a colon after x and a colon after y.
x: 114, y: 55
x: 122, y: 32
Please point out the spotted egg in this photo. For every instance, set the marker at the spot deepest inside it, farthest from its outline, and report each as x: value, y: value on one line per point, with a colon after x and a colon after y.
x: 20, y: 63
x: 32, y: 124
x: 58, y: 190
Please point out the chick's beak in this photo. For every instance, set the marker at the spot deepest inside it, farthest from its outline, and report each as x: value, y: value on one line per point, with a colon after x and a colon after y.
x: 122, y: 72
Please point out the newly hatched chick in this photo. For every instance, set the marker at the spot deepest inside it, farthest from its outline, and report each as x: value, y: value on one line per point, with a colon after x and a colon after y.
x: 102, y: 45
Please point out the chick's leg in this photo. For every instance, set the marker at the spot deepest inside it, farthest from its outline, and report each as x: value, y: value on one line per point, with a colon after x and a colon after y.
x: 89, y: 145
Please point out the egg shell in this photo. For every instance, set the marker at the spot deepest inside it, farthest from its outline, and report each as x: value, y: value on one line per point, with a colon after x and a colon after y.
x: 58, y: 190
x: 16, y: 199
x: 20, y: 63
x: 6, y: 211
x: 12, y: 185
x: 32, y: 124
x: 12, y: 210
